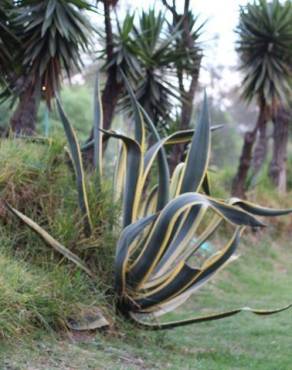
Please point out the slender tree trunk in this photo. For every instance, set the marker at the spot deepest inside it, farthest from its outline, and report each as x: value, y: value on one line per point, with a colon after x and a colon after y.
x: 110, y: 97
x: 187, y: 96
x: 112, y: 89
x: 24, y: 118
x: 239, y: 181
x: 261, y: 148
x: 187, y: 106
x: 278, y: 166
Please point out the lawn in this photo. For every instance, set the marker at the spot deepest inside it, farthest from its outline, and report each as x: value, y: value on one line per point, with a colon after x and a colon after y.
x: 261, y: 277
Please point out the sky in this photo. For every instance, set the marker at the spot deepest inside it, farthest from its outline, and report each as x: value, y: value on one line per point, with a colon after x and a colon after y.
x: 218, y: 38
x: 222, y: 19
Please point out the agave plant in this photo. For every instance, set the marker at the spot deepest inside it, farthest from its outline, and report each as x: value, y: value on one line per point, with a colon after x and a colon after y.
x: 163, y: 227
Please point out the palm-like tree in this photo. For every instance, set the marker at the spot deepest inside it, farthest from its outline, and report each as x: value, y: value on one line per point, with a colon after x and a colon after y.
x: 155, y: 57
x: 52, y: 36
x: 157, y: 53
x: 265, y: 50
x: 187, y: 66
x: 146, y: 54
x: 117, y: 54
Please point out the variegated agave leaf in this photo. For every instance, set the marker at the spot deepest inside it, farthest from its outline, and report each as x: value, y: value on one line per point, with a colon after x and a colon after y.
x: 76, y: 158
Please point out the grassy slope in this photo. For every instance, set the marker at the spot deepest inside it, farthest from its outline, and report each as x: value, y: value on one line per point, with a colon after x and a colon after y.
x: 260, y: 278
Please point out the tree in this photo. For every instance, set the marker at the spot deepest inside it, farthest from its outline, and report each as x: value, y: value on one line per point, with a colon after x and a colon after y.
x: 154, y: 46
x: 52, y: 36
x: 187, y: 66
x: 278, y: 170
x: 147, y: 53
x: 113, y: 85
x: 265, y: 50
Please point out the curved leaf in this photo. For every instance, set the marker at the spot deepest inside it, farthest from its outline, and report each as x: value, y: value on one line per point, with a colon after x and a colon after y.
x: 132, y: 187
x: 48, y: 239
x: 196, y: 320
x: 198, y: 155
x: 78, y: 167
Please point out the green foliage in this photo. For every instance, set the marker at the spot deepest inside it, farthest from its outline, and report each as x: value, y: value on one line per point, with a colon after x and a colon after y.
x: 148, y: 52
x: 264, y: 46
x: 156, y: 52
x: 36, y: 180
x: 226, y: 137
x: 5, y: 115
x: 78, y: 102
x: 77, y: 163
x: 52, y: 35
x: 38, y: 297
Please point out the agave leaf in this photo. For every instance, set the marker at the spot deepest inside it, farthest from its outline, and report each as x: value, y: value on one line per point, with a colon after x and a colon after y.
x: 163, y: 170
x: 119, y: 175
x: 184, y: 233
x: 206, y: 234
x: 124, y: 249
x: 139, y: 123
x: 196, y: 320
x: 149, y: 204
x: 133, y: 169
x: 181, y: 253
x: 206, y: 186
x: 48, y: 239
x: 187, y: 277
x: 258, y: 210
x: 198, y: 155
x: 162, y: 230
x: 163, y: 188
x: 97, y: 134
x: 155, y: 150
x: 176, y: 178
x: 78, y: 167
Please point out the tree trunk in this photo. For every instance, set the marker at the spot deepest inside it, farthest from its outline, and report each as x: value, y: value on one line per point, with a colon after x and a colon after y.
x: 261, y: 148
x: 112, y: 89
x: 239, y: 181
x: 24, y: 118
x: 278, y: 166
x: 177, y: 153
x: 110, y: 97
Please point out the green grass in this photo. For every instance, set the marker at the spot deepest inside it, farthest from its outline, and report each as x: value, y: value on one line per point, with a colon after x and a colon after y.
x: 33, y: 298
x: 260, y: 278
x: 39, y: 290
